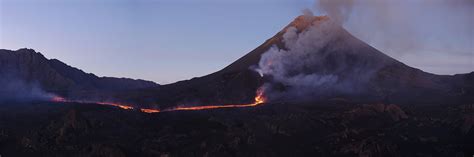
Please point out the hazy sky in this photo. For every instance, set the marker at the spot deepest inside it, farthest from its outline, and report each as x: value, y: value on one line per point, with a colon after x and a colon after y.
x: 171, y: 40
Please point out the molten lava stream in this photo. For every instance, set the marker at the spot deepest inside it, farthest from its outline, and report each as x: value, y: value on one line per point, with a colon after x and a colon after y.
x: 146, y: 110
x: 58, y: 99
x: 125, y: 107
x: 61, y: 99
x: 259, y: 99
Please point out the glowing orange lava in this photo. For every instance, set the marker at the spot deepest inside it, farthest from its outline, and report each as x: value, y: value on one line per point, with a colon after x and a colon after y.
x: 146, y: 110
x: 61, y: 99
x: 125, y: 107
x: 259, y: 99
x: 58, y: 99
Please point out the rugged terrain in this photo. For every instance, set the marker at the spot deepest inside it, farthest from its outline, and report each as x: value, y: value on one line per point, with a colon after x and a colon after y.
x: 58, y: 129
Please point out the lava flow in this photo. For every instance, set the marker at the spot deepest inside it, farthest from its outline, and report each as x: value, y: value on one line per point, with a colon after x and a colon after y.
x: 58, y: 99
x: 61, y: 99
x: 125, y: 107
x: 146, y: 110
x: 259, y: 99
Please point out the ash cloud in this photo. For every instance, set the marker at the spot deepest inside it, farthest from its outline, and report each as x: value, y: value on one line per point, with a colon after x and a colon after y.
x: 308, y: 68
x: 406, y: 27
x: 338, y: 10
x: 315, y: 64
x: 18, y: 90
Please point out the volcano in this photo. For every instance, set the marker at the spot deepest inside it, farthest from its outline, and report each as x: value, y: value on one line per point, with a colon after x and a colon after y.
x: 333, y: 52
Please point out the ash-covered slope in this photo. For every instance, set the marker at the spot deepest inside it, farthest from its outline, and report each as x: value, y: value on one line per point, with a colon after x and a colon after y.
x: 25, y: 70
x: 313, y: 59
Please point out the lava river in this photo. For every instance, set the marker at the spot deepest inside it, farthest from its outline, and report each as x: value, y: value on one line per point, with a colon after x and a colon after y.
x: 259, y: 99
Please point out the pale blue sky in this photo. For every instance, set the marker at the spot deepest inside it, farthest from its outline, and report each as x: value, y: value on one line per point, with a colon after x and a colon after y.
x: 171, y: 40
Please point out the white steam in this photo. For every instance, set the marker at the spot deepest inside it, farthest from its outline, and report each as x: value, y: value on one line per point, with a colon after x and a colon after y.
x: 323, y: 61
x: 18, y: 90
x: 316, y: 62
x: 299, y: 54
x: 338, y: 10
x: 414, y: 28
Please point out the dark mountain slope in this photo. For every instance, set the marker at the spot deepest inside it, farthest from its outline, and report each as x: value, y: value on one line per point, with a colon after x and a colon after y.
x: 53, y: 76
x: 89, y: 80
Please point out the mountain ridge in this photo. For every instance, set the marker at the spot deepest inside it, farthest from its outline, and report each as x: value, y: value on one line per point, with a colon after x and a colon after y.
x: 56, y: 77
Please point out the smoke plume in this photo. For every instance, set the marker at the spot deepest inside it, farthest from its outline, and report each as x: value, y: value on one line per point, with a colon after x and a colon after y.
x: 338, y: 10
x: 401, y: 25
x: 321, y: 60
x: 18, y: 90
x: 411, y: 29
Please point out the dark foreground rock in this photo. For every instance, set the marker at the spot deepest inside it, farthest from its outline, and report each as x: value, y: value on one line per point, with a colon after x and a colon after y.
x: 370, y: 130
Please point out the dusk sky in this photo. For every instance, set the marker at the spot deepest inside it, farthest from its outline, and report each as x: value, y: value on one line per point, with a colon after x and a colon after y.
x: 170, y: 40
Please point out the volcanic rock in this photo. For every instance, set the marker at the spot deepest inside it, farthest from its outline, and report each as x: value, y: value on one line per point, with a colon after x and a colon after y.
x: 372, y: 147
x: 102, y: 150
x: 372, y: 110
x: 274, y: 129
x: 467, y: 124
x: 70, y: 127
